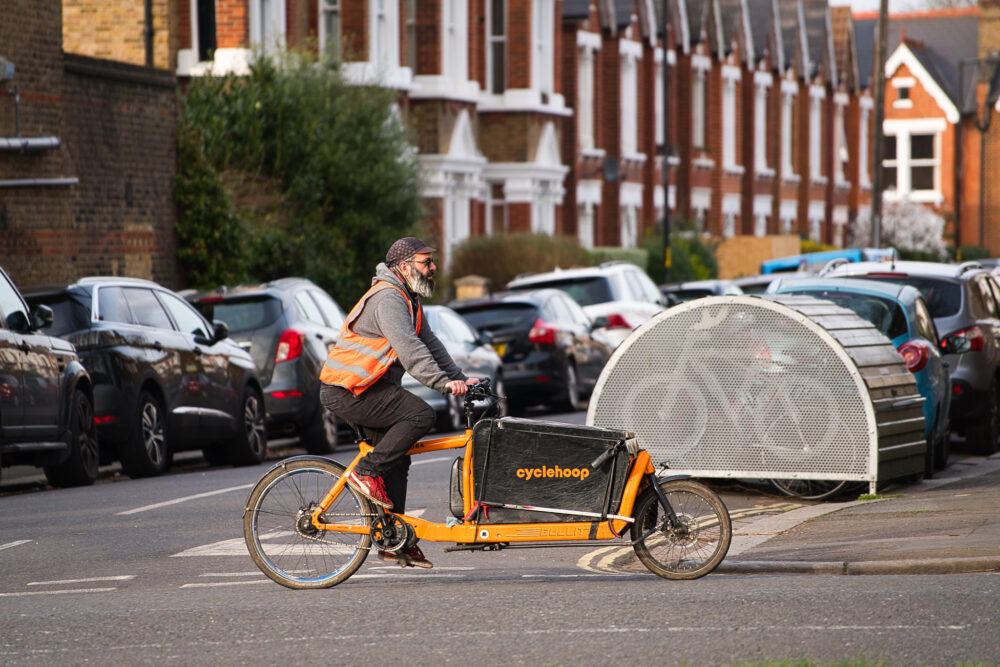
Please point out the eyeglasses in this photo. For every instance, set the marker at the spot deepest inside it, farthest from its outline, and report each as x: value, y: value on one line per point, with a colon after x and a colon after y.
x: 426, y: 262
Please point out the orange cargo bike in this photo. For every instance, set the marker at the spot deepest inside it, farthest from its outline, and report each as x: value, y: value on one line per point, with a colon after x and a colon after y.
x: 518, y: 483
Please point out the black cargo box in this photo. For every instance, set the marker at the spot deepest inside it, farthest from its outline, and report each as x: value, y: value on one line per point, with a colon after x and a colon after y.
x: 546, y: 465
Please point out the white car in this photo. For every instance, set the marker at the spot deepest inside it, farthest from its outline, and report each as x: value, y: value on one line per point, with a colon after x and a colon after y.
x: 620, y: 292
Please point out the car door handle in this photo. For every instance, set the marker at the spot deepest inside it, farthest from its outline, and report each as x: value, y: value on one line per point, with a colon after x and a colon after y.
x: 198, y: 351
x: 24, y: 346
x: 157, y: 345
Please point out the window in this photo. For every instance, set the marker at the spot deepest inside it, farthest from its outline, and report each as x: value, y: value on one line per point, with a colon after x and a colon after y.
x: 585, y: 97
x: 14, y: 312
x: 267, y: 24
x: 910, y: 162
x: 542, y: 38
x: 922, y: 162
x: 658, y: 102
x: 698, y: 109
x: 787, y: 106
x: 903, y: 93
x: 629, y: 226
x: 112, y: 307
x: 329, y: 26
x: 496, y: 46
x: 411, y: 35
x: 148, y: 311
x: 816, y: 134
x: 454, y: 31
x: 187, y: 318
x: 760, y: 128
x: 629, y: 98
x: 496, y: 210
x: 863, y: 133
x: 840, y: 150
x: 925, y: 323
x: 309, y: 310
x: 729, y: 119
x: 205, y: 29
x: 384, y: 44
x: 334, y: 314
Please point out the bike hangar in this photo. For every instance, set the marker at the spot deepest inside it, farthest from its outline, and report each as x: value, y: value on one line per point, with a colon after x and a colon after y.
x: 771, y: 387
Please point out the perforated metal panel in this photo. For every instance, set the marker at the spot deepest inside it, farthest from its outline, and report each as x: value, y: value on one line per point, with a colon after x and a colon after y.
x: 751, y: 387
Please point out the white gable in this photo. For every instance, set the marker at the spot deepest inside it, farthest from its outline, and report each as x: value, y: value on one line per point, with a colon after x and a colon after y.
x: 904, y: 56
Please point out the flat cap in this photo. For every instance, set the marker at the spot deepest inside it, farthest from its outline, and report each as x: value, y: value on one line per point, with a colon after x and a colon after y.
x: 405, y: 248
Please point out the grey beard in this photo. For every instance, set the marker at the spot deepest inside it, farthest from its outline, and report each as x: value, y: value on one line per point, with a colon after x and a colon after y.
x: 422, y: 285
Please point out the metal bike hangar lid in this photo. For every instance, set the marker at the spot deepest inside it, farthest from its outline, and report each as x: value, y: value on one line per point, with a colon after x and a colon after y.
x: 774, y: 386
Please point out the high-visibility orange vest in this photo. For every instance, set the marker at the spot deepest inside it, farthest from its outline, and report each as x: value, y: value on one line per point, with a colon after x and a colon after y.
x: 356, y: 362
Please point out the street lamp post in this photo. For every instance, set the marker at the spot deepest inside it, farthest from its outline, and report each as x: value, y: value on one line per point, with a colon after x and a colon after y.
x: 666, y: 147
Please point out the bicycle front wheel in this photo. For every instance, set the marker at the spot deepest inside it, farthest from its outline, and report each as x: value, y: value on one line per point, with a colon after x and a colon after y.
x: 691, y: 547
x: 280, y: 536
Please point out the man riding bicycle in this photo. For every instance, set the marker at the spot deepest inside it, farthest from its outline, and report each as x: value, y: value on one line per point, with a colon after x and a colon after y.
x: 382, y: 337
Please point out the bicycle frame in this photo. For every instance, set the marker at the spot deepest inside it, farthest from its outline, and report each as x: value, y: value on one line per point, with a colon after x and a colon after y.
x: 471, y: 533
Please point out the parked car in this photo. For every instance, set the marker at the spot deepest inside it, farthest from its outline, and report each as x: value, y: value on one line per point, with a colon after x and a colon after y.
x: 46, y: 396
x: 753, y: 284
x: 165, y: 380
x: 696, y: 289
x: 963, y: 300
x: 472, y: 352
x: 287, y: 326
x: 620, y: 292
x: 900, y: 312
x: 546, y: 342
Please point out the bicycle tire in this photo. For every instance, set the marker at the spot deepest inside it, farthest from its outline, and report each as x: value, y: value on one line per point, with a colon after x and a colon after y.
x: 282, y: 541
x: 697, y: 546
x: 814, y: 489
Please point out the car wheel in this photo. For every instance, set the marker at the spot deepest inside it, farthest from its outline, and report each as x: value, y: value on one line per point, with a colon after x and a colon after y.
x: 570, y: 401
x: 943, y: 450
x: 321, y: 436
x: 249, y: 445
x: 982, y: 436
x: 146, y: 453
x: 453, y: 416
x: 80, y: 469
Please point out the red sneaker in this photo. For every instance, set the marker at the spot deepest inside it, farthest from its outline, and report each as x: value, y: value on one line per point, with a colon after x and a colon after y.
x: 372, y: 488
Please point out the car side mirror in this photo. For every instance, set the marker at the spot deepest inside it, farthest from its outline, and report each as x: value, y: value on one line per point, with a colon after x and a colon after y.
x: 221, y: 330
x: 41, y: 317
x: 485, y: 337
x: 600, y: 322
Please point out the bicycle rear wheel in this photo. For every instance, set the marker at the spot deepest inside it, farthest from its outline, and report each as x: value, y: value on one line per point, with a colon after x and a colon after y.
x: 280, y: 536
x: 695, y: 545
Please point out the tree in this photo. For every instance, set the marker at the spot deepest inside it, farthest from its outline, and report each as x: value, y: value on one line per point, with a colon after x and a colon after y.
x: 907, y: 226
x: 292, y: 171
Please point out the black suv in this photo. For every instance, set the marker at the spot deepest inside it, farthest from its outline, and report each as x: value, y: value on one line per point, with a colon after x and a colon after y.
x: 288, y: 326
x: 46, y: 398
x: 164, y: 379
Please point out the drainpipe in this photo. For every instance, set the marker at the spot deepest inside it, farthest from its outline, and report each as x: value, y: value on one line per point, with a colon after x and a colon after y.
x: 148, y: 32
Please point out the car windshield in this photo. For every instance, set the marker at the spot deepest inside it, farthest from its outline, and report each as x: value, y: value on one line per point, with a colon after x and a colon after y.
x: 887, y: 315
x: 69, y: 314
x: 943, y: 297
x: 585, y: 291
x: 501, y: 316
x: 243, y: 314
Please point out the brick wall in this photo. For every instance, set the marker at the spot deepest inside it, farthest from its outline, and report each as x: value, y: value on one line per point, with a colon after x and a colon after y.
x: 116, y: 125
x: 115, y: 30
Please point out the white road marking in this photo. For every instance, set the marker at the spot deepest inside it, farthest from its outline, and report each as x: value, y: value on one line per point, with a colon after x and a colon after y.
x: 176, y: 501
x: 89, y: 580
x: 437, y: 459
x: 235, y: 547
x: 16, y: 543
x: 254, y: 573
x: 216, y: 584
x: 57, y: 592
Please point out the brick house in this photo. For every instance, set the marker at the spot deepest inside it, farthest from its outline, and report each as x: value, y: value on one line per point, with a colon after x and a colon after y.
x: 548, y: 115
x: 87, y: 157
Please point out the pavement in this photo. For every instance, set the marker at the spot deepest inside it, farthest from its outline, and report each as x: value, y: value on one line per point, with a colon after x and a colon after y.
x: 946, y: 525
x: 949, y: 524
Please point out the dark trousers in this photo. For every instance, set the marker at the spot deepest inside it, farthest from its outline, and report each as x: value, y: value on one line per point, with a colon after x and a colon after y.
x: 391, y: 419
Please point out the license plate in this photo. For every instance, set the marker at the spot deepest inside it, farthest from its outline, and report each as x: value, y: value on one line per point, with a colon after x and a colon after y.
x: 501, y: 348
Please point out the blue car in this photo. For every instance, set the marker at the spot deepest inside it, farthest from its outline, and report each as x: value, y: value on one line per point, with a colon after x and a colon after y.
x: 900, y: 312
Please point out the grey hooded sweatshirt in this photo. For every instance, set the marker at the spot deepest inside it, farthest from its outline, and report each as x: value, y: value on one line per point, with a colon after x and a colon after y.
x: 423, y: 356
